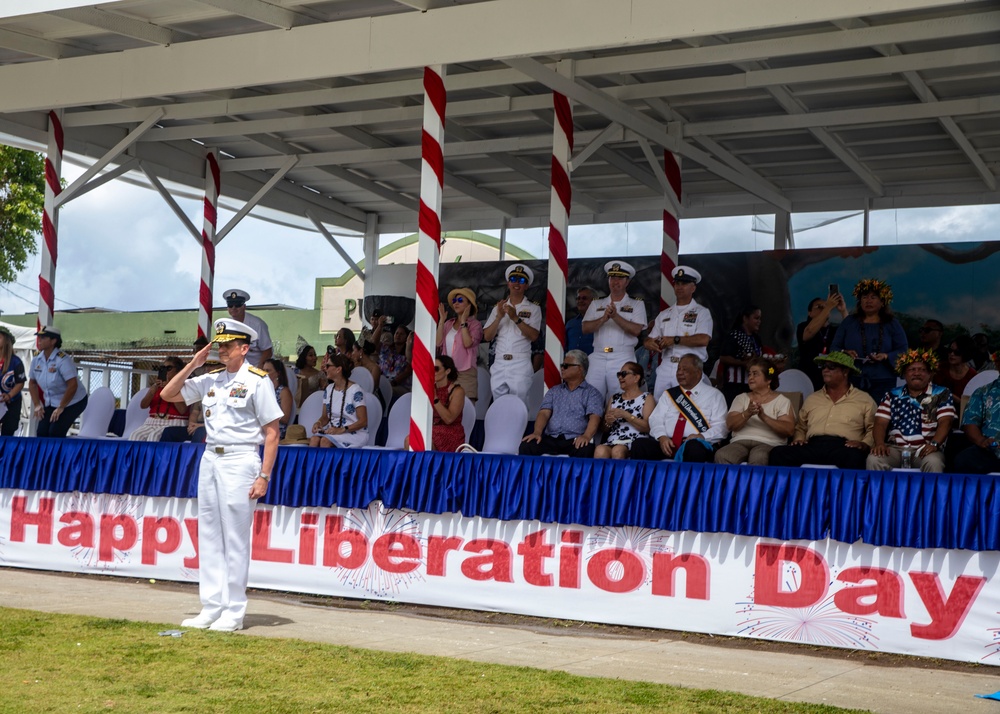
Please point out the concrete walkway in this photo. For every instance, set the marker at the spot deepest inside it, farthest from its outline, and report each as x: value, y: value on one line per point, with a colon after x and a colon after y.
x: 665, y: 659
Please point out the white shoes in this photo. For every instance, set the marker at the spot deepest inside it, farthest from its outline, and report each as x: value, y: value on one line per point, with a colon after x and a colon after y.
x: 224, y: 624
x: 202, y: 622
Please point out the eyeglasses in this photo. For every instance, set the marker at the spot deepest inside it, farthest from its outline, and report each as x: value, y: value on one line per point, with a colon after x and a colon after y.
x: 518, y: 279
x: 567, y: 365
x: 623, y: 374
x: 457, y: 298
x: 438, y: 368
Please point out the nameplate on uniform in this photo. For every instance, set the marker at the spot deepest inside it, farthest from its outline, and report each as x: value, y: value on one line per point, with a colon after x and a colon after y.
x: 625, y: 308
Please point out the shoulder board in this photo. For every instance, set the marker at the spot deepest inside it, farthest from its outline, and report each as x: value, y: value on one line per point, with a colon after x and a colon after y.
x: 535, y: 302
x: 216, y: 371
x: 258, y: 371
x: 60, y: 353
x: 638, y: 298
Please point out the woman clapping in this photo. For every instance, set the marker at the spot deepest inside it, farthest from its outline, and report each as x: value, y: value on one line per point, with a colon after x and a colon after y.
x: 759, y: 419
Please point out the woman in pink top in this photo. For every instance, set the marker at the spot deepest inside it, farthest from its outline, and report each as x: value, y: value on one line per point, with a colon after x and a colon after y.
x: 460, y: 336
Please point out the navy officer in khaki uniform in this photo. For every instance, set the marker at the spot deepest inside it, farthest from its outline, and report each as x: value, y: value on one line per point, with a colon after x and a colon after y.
x: 56, y: 392
x: 240, y: 412
x: 515, y: 323
x: 615, y: 322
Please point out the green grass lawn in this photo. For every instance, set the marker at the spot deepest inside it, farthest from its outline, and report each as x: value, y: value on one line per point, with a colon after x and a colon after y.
x: 66, y: 663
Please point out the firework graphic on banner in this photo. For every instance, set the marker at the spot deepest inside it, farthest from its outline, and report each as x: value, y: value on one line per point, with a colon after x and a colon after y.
x: 106, y: 505
x: 644, y: 542
x: 993, y: 648
x: 820, y: 624
x: 373, y: 522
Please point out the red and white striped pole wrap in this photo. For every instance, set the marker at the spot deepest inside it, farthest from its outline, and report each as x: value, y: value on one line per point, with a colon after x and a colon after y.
x: 671, y: 229
x: 212, y: 185
x: 559, y: 206
x: 50, y: 221
x: 428, y: 258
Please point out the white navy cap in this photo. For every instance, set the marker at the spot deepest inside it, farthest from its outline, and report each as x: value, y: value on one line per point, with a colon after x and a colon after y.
x: 619, y: 269
x: 519, y: 270
x: 228, y: 329
x: 235, y: 298
x: 686, y: 274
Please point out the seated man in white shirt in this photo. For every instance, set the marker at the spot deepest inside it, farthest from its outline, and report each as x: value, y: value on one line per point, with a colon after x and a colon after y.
x: 689, y: 420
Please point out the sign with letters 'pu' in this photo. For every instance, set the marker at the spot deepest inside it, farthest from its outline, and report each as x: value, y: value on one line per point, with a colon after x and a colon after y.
x: 936, y: 603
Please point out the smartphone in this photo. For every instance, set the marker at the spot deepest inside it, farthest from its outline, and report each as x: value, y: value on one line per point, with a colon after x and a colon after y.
x: 834, y: 289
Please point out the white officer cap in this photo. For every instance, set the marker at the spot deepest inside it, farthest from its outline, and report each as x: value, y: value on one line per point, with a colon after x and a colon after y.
x: 519, y: 270
x: 228, y: 329
x: 49, y: 331
x: 235, y: 298
x: 685, y: 274
x: 619, y: 269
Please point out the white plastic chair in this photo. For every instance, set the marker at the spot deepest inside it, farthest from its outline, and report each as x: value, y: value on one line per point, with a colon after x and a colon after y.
x: 135, y: 415
x: 485, y: 396
x: 399, y: 423
x: 536, y: 392
x: 385, y: 386
x: 311, y: 410
x: 96, y: 417
x: 293, y: 386
x: 363, y: 378
x: 374, y: 407
x: 795, y: 380
x: 506, y: 420
x: 981, y: 379
x: 468, y: 418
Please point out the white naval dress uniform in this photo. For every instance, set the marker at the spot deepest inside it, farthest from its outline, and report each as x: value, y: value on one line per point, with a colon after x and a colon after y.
x: 683, y: 320
x: 235, y: 405
x: 263, y: 341
x: 511, y: 372
x: 613, y: 347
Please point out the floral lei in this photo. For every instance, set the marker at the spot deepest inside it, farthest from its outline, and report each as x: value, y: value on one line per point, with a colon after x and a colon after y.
x: 928, y: 357
x: 874, y: 285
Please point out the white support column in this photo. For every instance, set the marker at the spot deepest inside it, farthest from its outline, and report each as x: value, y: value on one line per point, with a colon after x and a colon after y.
x: 428, y: 258
x: 783, y: 237
x: 50, y: 220
x: 371, y: 259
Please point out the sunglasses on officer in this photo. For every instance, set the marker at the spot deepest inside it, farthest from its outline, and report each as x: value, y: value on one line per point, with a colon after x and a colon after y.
x: 517, y: 279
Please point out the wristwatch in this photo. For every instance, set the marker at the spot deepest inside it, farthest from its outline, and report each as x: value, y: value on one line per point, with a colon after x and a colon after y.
x: 677, y: 339
x: 266, y: 477
x: 934, y: 444
x: 518, y: 321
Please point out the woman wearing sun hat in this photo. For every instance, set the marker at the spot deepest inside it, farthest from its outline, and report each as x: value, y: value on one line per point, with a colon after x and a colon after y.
x: 459, y: 338
x: 873, y: 337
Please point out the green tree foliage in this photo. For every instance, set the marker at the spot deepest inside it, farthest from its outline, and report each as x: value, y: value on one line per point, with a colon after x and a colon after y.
x: 22, y: 197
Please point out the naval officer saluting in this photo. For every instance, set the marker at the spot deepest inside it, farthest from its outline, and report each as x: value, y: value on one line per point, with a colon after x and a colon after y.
x: 240, y: 412
x: 616, y: 322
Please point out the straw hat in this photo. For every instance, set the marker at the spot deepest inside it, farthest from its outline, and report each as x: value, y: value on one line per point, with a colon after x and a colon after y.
x: 296, y: 434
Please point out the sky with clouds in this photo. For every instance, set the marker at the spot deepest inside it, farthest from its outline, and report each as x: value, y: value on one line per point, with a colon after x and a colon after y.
x: 121, y: 247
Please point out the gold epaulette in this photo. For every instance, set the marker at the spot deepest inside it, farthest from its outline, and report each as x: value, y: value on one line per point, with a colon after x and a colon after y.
x: 258, y: 371
x: 216, y: 371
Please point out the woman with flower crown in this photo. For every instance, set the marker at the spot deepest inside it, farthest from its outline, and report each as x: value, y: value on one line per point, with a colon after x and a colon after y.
x: 759, y: 419
x: 873, y: 337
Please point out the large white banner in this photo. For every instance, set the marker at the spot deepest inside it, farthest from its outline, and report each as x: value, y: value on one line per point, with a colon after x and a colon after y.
x: 937, y: 603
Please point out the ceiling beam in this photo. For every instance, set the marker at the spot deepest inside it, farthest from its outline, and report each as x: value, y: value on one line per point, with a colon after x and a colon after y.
x: 847, y: 117
x: 120, y: 25
x: 369, y: 45
x: 263, y: 12
x: 642, y: 125
x: 36, y: 46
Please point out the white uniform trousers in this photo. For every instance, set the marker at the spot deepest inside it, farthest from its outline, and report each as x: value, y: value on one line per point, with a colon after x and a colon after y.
x: 512, y: 376
x: 666, y: 376
x: 225, y: 520
x: 604, y: 368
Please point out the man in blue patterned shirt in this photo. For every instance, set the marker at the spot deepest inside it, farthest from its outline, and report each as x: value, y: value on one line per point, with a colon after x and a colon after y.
x: 981, y: 423
x: 918, y: 416
x: 570, y: 414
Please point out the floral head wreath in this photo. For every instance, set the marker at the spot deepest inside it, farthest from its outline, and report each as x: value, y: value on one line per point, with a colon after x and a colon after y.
x: 928, y: 357
x: 874, y: 285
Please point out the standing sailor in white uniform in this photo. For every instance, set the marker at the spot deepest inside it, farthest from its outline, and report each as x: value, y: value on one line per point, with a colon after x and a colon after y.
x: 240, y: 412
x: 515, y: 323
x: 683, y: 328
x: 616, y: 322
x: 261, y: 349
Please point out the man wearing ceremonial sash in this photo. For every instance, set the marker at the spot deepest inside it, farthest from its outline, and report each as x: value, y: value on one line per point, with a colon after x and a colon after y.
x: 689, y: 419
